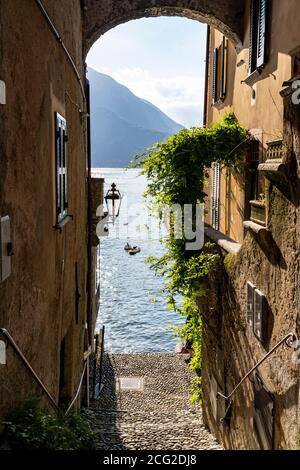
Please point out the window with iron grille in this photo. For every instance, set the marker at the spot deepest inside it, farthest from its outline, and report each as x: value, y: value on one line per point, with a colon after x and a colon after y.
x: 61, y: 168
x: 215, y: 203
x: 219, y: 72
x: 258, y: 34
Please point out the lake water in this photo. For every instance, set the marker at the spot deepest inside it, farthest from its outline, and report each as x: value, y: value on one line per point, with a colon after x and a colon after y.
x: 131, y: 302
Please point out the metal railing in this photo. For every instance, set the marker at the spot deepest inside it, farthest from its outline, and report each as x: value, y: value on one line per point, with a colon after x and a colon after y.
x: 78, y: 390
x: 288, y: 339
x: 7, y: 335
x: 98, y: 363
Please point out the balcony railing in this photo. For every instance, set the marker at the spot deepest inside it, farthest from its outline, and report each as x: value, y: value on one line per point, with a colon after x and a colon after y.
x: 275, y: 150
x: 274, y: 157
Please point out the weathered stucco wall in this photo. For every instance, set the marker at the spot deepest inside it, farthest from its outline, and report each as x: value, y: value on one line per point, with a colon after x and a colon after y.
x: 258, y: 107
x: 102, y: 15
x: 270, y: 260
x: 38, y: 299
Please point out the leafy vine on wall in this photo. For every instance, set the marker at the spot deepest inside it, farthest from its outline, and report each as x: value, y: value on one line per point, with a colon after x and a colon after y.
x: 177, y: 174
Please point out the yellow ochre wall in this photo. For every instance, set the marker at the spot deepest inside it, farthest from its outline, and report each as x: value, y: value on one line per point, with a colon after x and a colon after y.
x: 262, y: 114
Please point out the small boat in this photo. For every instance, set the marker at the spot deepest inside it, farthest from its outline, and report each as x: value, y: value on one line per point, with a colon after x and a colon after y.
x: 127, y: 247
x: 134, y: 250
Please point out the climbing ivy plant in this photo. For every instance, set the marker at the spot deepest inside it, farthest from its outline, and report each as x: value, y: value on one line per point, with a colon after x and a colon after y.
x: 177, y: 173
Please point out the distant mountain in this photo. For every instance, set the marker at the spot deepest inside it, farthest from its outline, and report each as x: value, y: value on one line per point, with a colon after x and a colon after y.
x: 122, y: 124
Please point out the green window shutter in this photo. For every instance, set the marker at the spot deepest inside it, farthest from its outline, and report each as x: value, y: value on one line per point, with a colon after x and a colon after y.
x: 215, y: 76
x: 58, y: 167
x: 216, y: 195
x: 250, y: 303
x: 61, y: 168
x: 254, y: 9
x: 223, y: 70
x: 261, y: 33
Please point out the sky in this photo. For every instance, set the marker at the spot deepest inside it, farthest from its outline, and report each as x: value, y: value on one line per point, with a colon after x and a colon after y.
x: 161, y: 60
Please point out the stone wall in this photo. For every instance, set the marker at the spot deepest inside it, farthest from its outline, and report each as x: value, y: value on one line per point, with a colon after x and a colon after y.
x: 270, y: 260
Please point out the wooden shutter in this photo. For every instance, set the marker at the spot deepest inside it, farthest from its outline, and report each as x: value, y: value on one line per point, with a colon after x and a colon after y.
x: 216, y: 196
x: 223, y: 69
x: 261, y: 33
x: 250, y: 303
x: 253, y: 35
x: 58, y: 168
x: 259, y: 315
x: 61, y: 168
x: 65, y: 167
x: 215, y: 76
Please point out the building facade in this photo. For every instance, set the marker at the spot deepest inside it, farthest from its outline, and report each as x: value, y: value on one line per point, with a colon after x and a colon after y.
x: 48, y: 294
x: 253, y: 214
x: 47, y: 265
x: 47, y: 277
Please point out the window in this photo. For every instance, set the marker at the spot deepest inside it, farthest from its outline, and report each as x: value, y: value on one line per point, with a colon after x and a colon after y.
x: 253, y: 161
x: 250, y: 303
x: 257, y: 312
x: 260, y: 314
x: 61, y: 169
x: 215, y: 196
x: 258, y: 34
x: 219, y: 73
x: 254, y: 180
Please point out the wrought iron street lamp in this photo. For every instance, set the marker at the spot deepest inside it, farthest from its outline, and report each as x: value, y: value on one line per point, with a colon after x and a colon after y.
x: 113, y: 201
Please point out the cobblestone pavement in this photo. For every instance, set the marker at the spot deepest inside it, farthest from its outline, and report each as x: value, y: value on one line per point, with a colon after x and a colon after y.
x: 159, y: 416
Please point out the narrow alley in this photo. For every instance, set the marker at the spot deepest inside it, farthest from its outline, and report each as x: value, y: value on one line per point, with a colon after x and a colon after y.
x: 145, y: 404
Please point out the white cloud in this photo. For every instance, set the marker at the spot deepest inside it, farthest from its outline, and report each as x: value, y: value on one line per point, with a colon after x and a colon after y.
x: 160, y: 60
x: 179, y: 96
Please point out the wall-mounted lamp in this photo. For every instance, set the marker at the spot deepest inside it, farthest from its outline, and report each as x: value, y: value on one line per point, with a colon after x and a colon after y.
x: 113, y: 201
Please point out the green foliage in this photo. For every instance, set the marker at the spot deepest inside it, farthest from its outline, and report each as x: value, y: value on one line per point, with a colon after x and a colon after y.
x: 229, y: 261
x: 196, y: 390
x: 177, y: 168
x: 191, y: 331
x: 29, y: 427
x: 177, y: 173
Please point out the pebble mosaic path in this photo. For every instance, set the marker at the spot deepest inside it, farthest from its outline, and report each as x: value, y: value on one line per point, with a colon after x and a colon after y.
x: 145, y: 405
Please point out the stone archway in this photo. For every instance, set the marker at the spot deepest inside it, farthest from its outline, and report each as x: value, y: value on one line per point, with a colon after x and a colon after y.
x: 103, y: 15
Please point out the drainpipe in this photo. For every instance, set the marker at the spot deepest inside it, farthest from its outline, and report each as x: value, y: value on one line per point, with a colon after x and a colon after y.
x: 89, y: 194
x: 206, y: 77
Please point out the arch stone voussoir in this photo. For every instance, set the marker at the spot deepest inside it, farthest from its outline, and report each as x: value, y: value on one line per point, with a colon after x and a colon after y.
x: 103, y: 15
